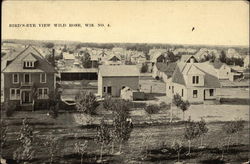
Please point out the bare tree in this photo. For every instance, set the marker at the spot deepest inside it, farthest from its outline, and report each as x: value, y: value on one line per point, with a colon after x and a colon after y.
x: 86, y: 102
x: 80, y: 148
x: 26, y: 137
x: 103, y: 136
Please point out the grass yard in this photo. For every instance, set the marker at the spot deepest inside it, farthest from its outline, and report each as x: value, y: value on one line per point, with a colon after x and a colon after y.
x: 156, y: 149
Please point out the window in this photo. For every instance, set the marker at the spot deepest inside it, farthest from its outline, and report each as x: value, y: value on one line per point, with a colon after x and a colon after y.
x: 123, y: 87
x: 169, y: 87
x: 195, y: 93
x: 211, y: 92
x: 182, y: 92
x: 43, y: 78
x: 109, y: 90
x: 172, y: 89
x: 43, y: 93
x: 195, y: 79
x: 104, y: 89
x: 15, y: 78
x: 14, y: 94
x: 28, y: 64
x: 27, y: 78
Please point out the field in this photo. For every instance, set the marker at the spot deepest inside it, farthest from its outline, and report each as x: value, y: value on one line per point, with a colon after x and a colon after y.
x: 71, y: 127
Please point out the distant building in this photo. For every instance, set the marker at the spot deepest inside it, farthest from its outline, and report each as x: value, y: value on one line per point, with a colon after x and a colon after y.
x: 112, y: 79
x: 113, y: 59
x: 28, y: 73
x: 246, y: 61
x: 223, y: 70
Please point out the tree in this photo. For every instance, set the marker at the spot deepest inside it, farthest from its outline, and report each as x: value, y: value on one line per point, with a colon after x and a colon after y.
x: 52, y: 145
x: 152, y: 109
x: 78, y: 46
x: 177, y: 100
x: 177, y: 146
x: 86, y: 102
x: 122, y: 127
x: 144, y: 68
x: 223, y: 56
x: 103, y: 136
x: 4, y: 129
x: 54, y: 101
x: 80, y: 148
x: 179, y: 103
x: 108, y: 102
x: 26, y: 137
x: 86, y: 60
x: 232, y: 127
x: 184, y: 106
x: 49, y: 45
x: 191, y: 132
x: 202, y: 129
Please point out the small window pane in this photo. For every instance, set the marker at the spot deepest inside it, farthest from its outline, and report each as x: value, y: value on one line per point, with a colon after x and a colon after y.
x: 12, y: 91
x: 45, y: 91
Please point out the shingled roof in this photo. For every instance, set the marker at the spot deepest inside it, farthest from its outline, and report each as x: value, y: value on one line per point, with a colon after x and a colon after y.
x: 120, y: 70
x: 210, y: 78
x: 16, y: 65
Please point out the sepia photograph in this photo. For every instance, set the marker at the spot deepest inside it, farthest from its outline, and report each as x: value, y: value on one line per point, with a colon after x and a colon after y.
x: 125, y: 82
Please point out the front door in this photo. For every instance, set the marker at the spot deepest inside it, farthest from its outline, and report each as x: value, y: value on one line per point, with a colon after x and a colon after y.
x: 26, y: 97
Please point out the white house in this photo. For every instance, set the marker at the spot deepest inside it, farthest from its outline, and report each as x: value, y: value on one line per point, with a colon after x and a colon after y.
x: 195, y: 82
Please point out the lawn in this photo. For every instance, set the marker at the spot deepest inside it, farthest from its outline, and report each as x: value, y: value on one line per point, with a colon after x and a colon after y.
x: 155, y: 149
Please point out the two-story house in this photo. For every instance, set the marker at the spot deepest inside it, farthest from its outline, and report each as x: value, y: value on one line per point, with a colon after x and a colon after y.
x: 27, y: 75
x: 195, y: 82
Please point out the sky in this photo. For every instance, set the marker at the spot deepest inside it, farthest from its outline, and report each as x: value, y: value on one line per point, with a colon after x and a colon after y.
x: 214, y: 22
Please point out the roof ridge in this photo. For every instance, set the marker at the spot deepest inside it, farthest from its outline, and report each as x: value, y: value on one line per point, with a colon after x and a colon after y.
x: 16, y: 57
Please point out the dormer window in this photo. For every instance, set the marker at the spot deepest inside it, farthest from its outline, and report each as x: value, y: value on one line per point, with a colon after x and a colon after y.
x: 29, y: 64
x: 195, y: 79
x: 29, y: 61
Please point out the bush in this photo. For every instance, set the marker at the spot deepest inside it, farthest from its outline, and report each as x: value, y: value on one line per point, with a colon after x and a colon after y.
x: 144, y: 68
x: 10, y: 109
x: 152, y: 109
x: 86, y: 102
x: 54, y: 110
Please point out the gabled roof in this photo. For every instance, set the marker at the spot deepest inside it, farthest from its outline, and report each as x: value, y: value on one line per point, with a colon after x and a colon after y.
x: 170, y: 69
x: 114, y: 56
x: 17, y: 63
x: 29, y: 57
x: 120, y: 70
x: 161, y: 66
x: 210, y: 78
x: 178, y: 77
x: 217, y: 64
x: 186, y: 58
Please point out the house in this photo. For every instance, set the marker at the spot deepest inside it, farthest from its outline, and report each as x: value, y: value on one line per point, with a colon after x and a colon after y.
x: 188, y: 59
x: 113, y: 59
x: 223, y: 71
x: 138, y: 58
x: 169, y: 71
x: 28, y: 74
x: 112, y: 79
x: 246, y: 61
x: 195, y: 82
x: 159, y: 69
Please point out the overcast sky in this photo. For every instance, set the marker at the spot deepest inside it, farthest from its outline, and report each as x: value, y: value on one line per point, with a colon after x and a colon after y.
x: 214, y: 22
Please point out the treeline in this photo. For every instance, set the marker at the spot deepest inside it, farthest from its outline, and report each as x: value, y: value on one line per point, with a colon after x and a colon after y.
x: 232, y: 60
